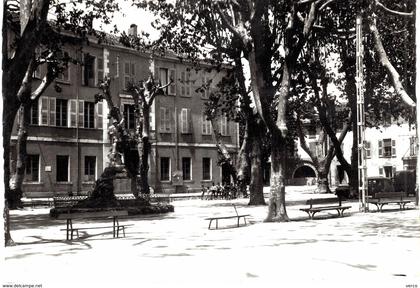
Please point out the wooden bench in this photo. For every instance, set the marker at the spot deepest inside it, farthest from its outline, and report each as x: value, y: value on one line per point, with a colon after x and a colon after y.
x: 383, y: 198
x: 311, y: 210
x: 211, y: 219
x: 67, y: 201
x: 116, y: 227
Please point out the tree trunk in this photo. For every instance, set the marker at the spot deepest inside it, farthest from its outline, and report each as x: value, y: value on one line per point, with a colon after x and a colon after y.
x: 323, y: 183
x: 256, y: 186
x: 277, y: 203
x: 243, y: 165
x: 18, y: 176
x: 8, y: 241
x: 144, y: 151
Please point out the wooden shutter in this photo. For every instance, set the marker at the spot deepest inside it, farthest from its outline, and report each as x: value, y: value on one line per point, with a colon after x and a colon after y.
x: 99, y: 115
x: 52, y: 109
x: 380, y: 148
x: 367, y: 149
x: 44, y: 115
x: 394, y: 150
x: 184, y: 120
x: 133, y: 69
x: 172, y: 87
x: 100, y: 69
x: 182, y: 84
x: 188, y: 84
x: 162, y: 119
x: 190, y: 122
x: 81, y: 114
x: 381, y: 171
x: 72, y: 113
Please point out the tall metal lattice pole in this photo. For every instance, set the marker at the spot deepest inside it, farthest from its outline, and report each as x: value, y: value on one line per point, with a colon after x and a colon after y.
x: 363, y: 206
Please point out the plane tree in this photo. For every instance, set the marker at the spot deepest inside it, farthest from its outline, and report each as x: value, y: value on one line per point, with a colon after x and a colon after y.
x: 30, y: 40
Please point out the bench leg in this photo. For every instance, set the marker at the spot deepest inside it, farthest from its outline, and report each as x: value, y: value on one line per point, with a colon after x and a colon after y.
x: 381, y: 206
x: 217, y: 224
x: 211, y: 220
x: 311, y: 215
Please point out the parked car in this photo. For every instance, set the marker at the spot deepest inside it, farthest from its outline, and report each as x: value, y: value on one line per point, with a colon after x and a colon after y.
x: 405, y: 181
x: 379, y: 184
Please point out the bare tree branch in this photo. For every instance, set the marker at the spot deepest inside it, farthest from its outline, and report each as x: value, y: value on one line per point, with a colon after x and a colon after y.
x: 390, y: 69
x: 394, y: 12
x: 230, y: 25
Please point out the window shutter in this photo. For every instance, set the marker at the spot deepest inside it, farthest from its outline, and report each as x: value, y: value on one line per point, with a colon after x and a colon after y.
x: 127, y: 68
x: 367, y: 149
x: 190, y: 122
x: 184, y: 121
x: 188, y: 84
x: 394, y: 150
x: 162, y: 119
x: 100, y: 69
x: 133, y: 69
x: 168, y: 120
x: 99, y: 115
x: 81, y: 114
x: 52, y: 111
x: 156, y: 76
x: 172, y: 87
x: 183, y: 84
x: 381, y: 171
x: 394, y: 170
x: 380, y: 148
x: 44, y: 111
x: 73, y: 113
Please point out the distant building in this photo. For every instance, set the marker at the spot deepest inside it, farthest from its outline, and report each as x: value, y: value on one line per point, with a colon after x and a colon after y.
x: 68, y: 141
x: 389, y: 148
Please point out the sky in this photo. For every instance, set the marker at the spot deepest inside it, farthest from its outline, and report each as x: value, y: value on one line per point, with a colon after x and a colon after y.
x: 131, y: 15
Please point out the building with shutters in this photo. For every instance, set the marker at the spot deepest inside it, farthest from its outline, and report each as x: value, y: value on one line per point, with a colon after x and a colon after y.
x: 67, y: 136
x: 389, y: 148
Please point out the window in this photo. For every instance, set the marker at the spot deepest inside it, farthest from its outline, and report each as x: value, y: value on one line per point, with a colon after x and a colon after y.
x: 129, y: 74
x: 65, y: 75
x: 368, y: 151
x: 206, y: 168
x: 206, y: 125
x: 224, y: 126
x: 186, y: 121
x: 387, y: 148
x: 62, y: 168
x: 37, y: 72
x: 100, y: 69
x: 165, y: 120
x: 32, y: 168
x: 89, y: 115
x: 413, y: 146
x: 34, y: 113
x: 163, y: 77
x: 186, y: 168
x: 60, y: 112
x: 129, y: 119
x: 165, y: 168
x: 88, y: 70
x: 90, y: 168
x: 389, y: 171
x: 185, y: 83
x: 205, y: 87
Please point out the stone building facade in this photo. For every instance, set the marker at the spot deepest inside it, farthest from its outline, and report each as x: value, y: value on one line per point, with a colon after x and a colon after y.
x: 68, y: 141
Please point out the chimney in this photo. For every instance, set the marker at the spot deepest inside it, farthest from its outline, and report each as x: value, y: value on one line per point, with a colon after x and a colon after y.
x: 132, y: 31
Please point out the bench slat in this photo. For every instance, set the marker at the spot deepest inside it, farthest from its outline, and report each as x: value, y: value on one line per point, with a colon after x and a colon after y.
x: 92, y: 214
x: 227, y: 217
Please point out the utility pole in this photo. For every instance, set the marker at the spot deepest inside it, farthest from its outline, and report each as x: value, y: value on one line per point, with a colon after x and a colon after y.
x: 361, y: 158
